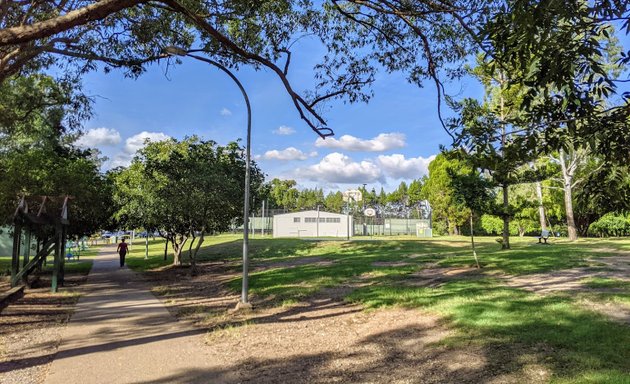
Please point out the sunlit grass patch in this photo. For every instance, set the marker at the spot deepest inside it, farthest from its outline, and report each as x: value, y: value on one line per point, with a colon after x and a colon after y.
x: 492, y: 315
x: 603, y: 283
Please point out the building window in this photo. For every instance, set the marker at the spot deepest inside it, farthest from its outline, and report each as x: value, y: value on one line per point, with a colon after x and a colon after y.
x: 310, y: 219
x: 296, y: 219
x: 322, y: 219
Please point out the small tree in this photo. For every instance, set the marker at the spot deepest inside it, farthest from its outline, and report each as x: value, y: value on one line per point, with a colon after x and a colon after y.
x: 474, y: 192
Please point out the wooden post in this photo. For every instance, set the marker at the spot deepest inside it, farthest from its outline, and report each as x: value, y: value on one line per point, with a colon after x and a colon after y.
x: 62, y: 260
x: 41, y: 261
x: 27, y: 253
x: 57, y: 262
x: 15, y: 256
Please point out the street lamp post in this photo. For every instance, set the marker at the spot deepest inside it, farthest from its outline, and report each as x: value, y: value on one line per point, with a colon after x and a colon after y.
x: 244, y: 302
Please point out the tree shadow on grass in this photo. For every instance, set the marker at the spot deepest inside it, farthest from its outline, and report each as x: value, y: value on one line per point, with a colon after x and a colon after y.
x: 393, y: 356
x: 569, y: 341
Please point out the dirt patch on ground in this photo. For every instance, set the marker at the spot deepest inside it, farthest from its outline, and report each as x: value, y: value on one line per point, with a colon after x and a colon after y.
x: 433, y: 277
x: 316, y: 261
x: 573, y: 281
x: 324, y: 339
x: 557, y: 281
x: 614, y: 267
x: 195, y: 298
x: 327, y: 342
x: 30, y: 331
x: 390, y: 264
x: 615, y: 311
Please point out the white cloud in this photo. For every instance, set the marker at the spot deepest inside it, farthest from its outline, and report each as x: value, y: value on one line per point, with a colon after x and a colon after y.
x: 120, y: 160
x: 398, y: 167
x: 99, y: 137
x: 134, y: 144
x: 339, y: 168
x: 225, y: 112
x: 283, y: 130
x: 137, y: 142
x: 382, y: 142
x: 290, y: 153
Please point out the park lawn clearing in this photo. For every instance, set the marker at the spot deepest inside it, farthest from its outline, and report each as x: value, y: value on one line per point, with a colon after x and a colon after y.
x: 312, y: 298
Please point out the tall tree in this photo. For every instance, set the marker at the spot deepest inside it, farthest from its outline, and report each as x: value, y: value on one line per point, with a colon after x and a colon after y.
x: 438, y: 189
x: 39, y: 118
x: 334, y: 202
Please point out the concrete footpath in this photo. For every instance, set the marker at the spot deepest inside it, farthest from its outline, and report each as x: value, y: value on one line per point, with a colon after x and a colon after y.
x: 120, y: 333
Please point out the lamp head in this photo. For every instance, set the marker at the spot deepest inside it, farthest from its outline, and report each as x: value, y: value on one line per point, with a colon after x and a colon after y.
x: 175, y: 51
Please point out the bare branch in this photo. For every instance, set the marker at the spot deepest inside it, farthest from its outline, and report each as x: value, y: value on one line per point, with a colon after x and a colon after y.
x: 300, y: 104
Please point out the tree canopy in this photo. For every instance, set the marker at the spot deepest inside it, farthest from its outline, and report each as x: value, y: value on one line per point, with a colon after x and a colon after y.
x: 185, y: 189
x: 37, y: 118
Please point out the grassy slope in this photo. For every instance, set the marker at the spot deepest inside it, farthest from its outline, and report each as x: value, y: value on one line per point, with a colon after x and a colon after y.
x: 511, y: 325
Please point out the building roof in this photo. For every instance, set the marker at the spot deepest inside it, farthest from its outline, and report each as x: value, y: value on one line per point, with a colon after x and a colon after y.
x: 311, y: 213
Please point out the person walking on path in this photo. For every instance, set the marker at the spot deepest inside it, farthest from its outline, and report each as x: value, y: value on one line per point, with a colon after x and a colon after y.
x: 122, y: 251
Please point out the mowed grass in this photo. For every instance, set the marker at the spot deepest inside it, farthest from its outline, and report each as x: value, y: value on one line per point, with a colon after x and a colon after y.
x: 608, y: 290
x: 81, y: 266
x: 576, y: 345
x: 572, y: 343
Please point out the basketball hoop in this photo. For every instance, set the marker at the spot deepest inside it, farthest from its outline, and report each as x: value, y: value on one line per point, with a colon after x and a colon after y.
x: 352, y: 195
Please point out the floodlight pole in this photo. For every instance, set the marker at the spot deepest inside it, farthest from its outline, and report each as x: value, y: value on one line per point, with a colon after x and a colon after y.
x: 244, y: 303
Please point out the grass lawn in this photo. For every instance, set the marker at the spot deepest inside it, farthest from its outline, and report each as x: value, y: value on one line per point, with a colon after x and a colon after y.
x: 81, y: 266
x: 575, y: 344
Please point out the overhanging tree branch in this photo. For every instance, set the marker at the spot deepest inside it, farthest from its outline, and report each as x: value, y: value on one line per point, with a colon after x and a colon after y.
x: 319, y: 126
x: 64, y: 22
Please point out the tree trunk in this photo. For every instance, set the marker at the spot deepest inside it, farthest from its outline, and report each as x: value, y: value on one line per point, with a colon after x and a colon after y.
x: 541, y: 207
x: 191, y: 257
x: 472, y: 240
x: 567, y: 177
x: 178, y: 246
x: 505, y: 244
x: 568, y: 204
x: 146, y: 247
x: 193, y: 260
x: 166, y: 249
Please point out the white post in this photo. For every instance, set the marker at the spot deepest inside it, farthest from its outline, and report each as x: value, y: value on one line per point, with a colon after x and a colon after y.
x: 262, y: 228
x: 317, y: 226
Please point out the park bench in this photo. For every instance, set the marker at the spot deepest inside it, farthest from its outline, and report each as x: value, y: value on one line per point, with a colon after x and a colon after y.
x: 544, y: 235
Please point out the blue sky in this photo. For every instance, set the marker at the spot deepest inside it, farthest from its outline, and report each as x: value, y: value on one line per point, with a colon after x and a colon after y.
x: 390, y: 139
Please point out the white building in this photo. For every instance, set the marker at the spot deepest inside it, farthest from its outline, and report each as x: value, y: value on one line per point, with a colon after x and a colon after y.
x: 312, y: 224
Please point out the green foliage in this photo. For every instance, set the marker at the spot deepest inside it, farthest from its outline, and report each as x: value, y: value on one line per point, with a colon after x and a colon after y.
x: 605, y: 190
x: 185, y: 187
x: 439, y: 190
x: 562, y: 62
x: 38, y: 119
x: 611, y: 224
x: 491, y: 225
x: 283, y: 194
x: 334, y: 202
